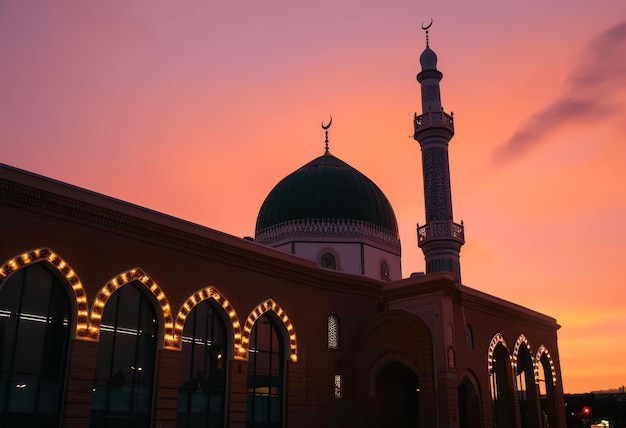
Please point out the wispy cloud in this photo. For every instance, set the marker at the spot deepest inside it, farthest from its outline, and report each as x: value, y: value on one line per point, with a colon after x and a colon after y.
x: 587, y: 96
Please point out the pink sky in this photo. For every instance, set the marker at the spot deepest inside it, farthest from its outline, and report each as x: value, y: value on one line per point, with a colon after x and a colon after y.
x: 198, y: 108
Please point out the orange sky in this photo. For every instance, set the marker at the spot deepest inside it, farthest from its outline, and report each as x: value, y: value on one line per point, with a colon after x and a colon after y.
x: 198, y: 109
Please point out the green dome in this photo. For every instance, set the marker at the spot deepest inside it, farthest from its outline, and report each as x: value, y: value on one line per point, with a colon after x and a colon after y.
x: 330, y: 189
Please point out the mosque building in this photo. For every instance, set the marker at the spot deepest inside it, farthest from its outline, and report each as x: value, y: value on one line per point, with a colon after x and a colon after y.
x: 114, y: 315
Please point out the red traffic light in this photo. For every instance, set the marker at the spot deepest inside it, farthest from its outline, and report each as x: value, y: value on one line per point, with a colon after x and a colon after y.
x: 585, y: 412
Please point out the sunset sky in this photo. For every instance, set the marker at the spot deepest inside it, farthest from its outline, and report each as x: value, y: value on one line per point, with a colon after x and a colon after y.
x: 198, y: 108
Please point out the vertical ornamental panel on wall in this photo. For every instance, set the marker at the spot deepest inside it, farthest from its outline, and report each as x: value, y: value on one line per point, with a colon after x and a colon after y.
x: 333, y: 332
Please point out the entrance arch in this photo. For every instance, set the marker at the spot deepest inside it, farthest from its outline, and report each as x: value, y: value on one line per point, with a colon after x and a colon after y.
x: 469, y: 403
x: 397, y: 392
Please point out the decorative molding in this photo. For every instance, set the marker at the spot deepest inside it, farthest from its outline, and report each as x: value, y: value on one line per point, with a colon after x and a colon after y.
x: 53, y: 203
x: 328, y: 227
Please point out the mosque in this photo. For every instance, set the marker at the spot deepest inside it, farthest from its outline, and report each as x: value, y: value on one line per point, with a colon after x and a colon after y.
x: 114, y: 315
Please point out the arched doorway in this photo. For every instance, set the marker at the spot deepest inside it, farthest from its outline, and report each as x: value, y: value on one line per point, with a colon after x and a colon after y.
x: 35, y: 320
x: 397, y: 392
x: 469, y: 405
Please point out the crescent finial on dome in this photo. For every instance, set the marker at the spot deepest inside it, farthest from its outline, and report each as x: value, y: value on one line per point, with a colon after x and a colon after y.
x: 325, y: 128
x: 425, y: 28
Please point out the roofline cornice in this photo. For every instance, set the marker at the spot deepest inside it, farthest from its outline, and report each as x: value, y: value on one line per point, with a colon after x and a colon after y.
x: 443, y: 283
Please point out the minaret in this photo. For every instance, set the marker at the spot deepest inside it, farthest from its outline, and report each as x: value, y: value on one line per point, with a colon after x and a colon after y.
x: 440, y: 238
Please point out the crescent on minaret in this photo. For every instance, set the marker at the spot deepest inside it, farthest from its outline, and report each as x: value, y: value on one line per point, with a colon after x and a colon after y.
x: 329, y: 123
x: 426, y: 27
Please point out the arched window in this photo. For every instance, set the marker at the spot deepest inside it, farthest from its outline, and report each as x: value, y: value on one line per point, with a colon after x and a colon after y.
x: 526, y: 388
x: 384, y: 271
x: 328, y: 261
x: 469, y: 337
x: 547, y: 389
x: 202, y: 391
x: 333, y: 332
x: 501, y: 383
x: 35, y: 325
x: 266, y: 367
x: 124, y: 381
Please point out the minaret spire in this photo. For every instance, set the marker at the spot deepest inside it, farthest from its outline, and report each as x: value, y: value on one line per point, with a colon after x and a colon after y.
x: 425, y: 28
x: 440, y: 238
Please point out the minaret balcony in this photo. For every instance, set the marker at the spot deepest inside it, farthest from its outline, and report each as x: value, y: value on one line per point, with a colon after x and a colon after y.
x: 440, y: 230
x: 438, y: 119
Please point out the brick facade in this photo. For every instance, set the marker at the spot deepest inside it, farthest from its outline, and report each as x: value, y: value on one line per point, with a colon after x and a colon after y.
x: 416, y: 326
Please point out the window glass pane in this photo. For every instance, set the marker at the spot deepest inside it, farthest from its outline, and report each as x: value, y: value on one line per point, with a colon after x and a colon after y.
x: 266, y: 374
x: 37, y: 288
x: 29, y: 344
x: 11, y: 293
x: 8, y: 327
x: 202, y: 391
x: 126, y: 360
